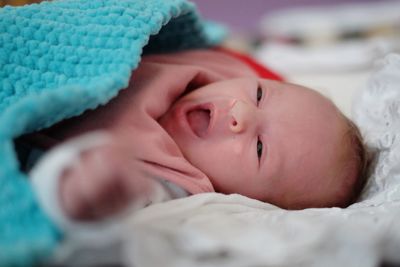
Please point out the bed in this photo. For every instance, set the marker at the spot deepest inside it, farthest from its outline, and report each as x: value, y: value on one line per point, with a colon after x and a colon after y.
x: 215, y: 229
x: 231, y: 230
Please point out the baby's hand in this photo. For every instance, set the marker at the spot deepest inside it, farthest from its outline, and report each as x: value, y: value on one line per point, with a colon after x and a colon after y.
x: 102, y: 182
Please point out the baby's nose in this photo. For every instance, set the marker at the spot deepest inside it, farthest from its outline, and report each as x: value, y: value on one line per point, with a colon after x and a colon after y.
x: 240, y: 116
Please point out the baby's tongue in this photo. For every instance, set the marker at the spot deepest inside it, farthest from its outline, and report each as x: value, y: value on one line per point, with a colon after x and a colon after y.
x: 198, y: 121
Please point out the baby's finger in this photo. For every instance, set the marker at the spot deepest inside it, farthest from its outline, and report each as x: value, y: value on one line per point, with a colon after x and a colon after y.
x: 73, y: 198
x: 112, y: 200
x: 106, y: 192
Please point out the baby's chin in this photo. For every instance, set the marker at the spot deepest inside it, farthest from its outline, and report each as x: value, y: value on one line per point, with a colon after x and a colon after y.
x: 167, y: 123
x: 171, y: 123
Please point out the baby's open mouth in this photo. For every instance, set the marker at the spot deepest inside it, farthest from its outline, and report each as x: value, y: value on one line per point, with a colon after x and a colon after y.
x: 199, y: 120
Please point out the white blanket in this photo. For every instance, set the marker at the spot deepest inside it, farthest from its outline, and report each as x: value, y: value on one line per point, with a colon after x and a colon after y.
x: 218, y: 230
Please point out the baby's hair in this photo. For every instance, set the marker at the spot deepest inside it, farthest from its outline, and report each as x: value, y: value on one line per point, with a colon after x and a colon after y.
x: 354, y: 163
x: 357, y: 163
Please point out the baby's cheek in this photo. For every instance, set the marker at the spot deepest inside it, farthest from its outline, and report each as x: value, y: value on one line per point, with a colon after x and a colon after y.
x: 237, y: 149
x: 222, y: 157
x: 230, y: 150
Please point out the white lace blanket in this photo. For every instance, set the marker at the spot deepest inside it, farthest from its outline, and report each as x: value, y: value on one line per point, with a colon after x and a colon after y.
x: 217, y: 230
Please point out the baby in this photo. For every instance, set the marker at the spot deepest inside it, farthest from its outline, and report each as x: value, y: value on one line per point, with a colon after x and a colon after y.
x: 209, y: 121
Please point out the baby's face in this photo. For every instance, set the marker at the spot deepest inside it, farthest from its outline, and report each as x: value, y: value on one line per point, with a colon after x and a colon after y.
x: 267, y: 140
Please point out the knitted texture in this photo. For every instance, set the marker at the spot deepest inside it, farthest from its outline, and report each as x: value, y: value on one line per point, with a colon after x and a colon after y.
x: 58, y: 59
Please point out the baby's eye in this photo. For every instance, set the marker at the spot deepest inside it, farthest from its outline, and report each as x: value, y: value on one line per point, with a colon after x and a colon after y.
x: 259, y: 148
x: 259, y: 94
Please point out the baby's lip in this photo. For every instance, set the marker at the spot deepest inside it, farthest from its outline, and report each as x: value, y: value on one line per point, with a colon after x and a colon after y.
x: 200, y: 119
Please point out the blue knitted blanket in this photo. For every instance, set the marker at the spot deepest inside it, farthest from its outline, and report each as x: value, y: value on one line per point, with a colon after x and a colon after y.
x: 58, y: 59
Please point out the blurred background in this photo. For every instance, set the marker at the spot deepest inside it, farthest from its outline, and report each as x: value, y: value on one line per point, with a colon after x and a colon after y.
x: 329, y: 45
x: 17, y: 2
x: 244, y: 16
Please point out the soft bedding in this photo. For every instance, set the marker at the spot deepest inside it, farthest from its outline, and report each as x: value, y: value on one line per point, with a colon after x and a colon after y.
x: 202, y: 230
x: 219, y: 230
x: 58, y: 59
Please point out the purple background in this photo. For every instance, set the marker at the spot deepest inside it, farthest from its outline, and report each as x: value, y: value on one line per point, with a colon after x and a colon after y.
x: 244, y: 15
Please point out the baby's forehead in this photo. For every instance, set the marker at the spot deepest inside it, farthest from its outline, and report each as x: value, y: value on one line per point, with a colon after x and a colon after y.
x: 293, y: 88
x: 300, y: 97
x: 309, y: 122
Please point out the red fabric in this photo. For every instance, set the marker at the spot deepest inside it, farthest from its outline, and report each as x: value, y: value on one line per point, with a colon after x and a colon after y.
x: 261, y: 70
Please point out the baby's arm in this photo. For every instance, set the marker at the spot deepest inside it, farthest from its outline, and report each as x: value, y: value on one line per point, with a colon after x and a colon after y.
x: 103, y: 182
x: 93, y: 177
